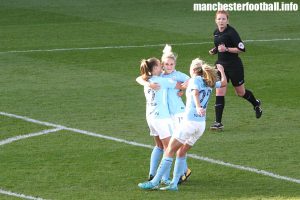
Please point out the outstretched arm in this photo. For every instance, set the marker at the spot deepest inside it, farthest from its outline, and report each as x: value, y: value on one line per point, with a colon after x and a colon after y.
x: 141, y: 81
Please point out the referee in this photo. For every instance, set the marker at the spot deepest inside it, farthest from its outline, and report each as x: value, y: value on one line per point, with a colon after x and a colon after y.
x: 228, y: 45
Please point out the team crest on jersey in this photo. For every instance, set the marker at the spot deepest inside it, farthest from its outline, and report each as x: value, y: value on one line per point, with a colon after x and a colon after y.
x: 241, y: 45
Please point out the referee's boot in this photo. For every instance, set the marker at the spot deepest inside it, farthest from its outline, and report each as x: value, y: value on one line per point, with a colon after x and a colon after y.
x: 257, y: 109
x: 217, y: 126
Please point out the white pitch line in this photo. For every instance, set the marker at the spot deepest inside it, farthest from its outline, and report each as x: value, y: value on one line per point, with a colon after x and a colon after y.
x: 21, y: 137
x: 30, y: 120
x: 19, y: 195
x: 108, y: 137
x: 210, y: 160
x: 100, y: 48
x: 250, y: 169
x: 136, y: 46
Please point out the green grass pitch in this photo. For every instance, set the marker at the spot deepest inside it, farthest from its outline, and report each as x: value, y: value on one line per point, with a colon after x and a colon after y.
x: 94, y: 89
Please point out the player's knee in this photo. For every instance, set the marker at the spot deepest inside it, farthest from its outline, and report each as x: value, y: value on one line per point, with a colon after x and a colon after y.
x: 180, y: 154
x: 240, y: 93
x: 170, y: 152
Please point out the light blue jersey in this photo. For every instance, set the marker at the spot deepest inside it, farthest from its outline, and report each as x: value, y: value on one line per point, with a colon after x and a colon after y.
x: 175, y: 102
x: 197, y: 83
x: 156, y: 100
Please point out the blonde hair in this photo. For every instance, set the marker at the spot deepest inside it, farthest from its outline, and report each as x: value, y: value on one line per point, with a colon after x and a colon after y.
x: 222, y: 12
x: 208, y: 73
x: 167, y: 53
x: 147, y: 66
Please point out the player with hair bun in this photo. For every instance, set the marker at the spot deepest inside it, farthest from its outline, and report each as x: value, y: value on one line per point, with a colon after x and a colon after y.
x: 175, y: 103
x: 228, y: 45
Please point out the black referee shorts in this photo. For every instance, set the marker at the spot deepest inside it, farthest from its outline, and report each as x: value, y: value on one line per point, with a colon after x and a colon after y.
x: 235, y: 75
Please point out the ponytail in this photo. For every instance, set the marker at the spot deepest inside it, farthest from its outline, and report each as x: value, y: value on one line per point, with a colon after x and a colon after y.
x: 208, y: 73
x: 147, y: 67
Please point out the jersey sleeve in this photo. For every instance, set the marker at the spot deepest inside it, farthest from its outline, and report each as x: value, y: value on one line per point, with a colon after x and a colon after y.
x: 182, y: 77
x: 237, y: 42
x: 193, y: 84
x: 218, y: 84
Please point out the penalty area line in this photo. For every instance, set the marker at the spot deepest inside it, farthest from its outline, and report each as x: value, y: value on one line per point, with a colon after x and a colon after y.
x: 23, y: 196
x: 21, y: 137
x: 194, y: 156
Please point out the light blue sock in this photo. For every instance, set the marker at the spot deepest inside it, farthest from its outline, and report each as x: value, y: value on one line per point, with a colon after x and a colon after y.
x: 154, y: 160
x: 166, y: 175
x: 178, y: 169
x: 165, y: 165
x: 185, y: 168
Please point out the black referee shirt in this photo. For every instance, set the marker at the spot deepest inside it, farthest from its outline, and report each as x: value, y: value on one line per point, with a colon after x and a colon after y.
x: 231, y: 39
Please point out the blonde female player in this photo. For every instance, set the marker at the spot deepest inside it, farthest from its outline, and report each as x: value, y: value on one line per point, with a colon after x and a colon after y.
x: 157, y: 112
x: 175, y: 105
x: 204, y: 78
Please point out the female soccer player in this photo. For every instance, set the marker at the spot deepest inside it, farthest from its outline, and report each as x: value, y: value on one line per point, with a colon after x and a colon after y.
x: 157, y: 112
x: 191, y: 129
x: 228, y: 45
x: 175, y: 105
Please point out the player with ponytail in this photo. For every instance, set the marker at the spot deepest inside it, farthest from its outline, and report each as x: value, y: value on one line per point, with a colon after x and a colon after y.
x: 157, y: 112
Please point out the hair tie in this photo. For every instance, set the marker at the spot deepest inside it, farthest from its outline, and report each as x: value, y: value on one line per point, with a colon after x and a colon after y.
x: 200, y: 70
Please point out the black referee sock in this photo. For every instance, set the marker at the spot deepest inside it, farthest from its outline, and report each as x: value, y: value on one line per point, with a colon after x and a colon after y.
x: 250, y: 97
x: 219, y: 107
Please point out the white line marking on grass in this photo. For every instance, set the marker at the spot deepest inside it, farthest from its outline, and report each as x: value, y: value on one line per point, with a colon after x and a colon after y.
x: 136, y: 46
x: 19, y: 195
x: 210, y: 160
x: 21, y: 137
x: 250, y: 169
x: 30, y: 120
x: 108, y: 137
